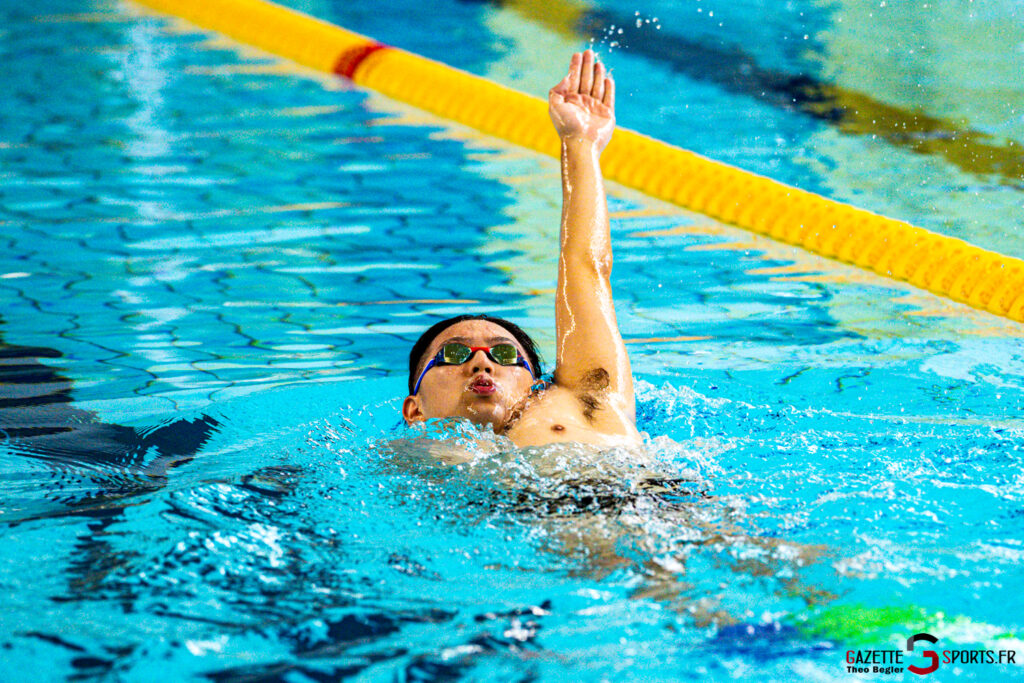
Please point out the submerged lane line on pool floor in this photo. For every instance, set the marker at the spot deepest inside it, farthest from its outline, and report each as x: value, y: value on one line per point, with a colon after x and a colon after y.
x: 943, y: 265
x: 850, y: 111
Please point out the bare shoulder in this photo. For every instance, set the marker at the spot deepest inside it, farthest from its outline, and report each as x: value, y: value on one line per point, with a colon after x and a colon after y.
x: 558, y: 414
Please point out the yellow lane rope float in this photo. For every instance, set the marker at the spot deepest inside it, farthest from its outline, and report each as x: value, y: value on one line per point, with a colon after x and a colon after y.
x: 944, y: 265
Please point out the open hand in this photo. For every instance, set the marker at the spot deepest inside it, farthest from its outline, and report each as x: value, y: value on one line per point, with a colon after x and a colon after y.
x: 582, y: 105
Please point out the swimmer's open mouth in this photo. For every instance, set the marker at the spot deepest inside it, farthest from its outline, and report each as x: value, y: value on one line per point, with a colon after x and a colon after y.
x: 483, y: 386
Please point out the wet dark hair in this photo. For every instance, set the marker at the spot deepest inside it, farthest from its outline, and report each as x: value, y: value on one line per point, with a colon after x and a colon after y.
x: 437, y: 328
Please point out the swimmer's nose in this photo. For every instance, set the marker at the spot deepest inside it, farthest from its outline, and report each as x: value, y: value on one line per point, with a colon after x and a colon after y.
x: 480, y: 363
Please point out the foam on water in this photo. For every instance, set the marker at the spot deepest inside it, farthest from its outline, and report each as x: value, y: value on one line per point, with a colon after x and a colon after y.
x: 308, y: 541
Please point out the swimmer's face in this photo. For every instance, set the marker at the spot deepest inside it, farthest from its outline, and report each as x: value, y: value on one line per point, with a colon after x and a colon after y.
x: 480, y: 389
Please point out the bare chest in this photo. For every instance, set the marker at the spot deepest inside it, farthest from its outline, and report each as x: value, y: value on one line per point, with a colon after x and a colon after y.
x: 558, y: 415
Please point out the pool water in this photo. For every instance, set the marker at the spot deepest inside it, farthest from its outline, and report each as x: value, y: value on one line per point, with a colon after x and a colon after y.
x: 214, y: 264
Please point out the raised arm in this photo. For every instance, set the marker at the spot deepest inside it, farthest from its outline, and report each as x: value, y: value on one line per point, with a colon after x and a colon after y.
x: 590, y: 352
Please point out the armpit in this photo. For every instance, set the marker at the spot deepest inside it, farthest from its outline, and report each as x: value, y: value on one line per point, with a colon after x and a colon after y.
x: 595, y: 380
x: 593, y: 383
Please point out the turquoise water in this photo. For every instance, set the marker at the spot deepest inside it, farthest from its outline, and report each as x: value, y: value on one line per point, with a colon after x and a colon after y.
x: 909, y: 109
x: 214, y: 265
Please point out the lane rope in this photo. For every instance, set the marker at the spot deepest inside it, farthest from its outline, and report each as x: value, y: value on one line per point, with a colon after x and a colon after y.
x: 946, y: 266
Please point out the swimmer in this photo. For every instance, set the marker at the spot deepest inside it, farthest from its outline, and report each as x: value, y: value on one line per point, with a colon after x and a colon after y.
x: 591, y: 502
x: 486, y: 370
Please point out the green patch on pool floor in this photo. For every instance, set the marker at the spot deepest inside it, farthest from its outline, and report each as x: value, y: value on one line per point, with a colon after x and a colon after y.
x: 857, y: 625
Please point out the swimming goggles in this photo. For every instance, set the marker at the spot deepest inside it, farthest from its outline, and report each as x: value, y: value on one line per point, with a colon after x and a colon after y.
x: 454, y: 353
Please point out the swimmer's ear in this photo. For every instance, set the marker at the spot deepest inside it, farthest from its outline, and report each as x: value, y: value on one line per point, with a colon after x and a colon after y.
x: 411, y: 410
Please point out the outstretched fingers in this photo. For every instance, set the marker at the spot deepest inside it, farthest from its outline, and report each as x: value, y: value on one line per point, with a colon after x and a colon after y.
x: 590, y: 78
x: 587, y: 73
x: 574, y: 72
x: 587, y: 78
x: 609, y: 93
x: 597, y: 91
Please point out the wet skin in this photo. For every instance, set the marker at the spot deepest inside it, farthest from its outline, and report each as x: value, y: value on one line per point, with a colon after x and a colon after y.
x: 479, y: 390
x: 487, y: 393
x: 591, y: 399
